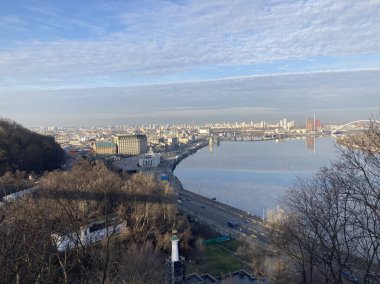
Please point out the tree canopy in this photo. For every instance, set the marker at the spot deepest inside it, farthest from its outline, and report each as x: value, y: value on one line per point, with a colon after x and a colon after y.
x: 24, y: 150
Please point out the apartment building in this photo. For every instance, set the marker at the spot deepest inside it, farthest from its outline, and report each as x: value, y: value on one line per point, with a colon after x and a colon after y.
x: 132, y: 144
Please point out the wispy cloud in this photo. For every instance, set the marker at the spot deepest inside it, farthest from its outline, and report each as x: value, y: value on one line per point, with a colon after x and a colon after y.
x: 52, y: 17
x: 110, y: 62
x: 154, y: 38
x: 12, y: 22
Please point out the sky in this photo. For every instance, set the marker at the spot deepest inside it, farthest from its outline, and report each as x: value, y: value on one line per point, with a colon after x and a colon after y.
x: 104, y: 62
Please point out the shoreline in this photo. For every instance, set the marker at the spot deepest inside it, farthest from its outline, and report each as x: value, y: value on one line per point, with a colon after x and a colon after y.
x: 186, y: 153
x: 177, y: 184
x: 255, y: 208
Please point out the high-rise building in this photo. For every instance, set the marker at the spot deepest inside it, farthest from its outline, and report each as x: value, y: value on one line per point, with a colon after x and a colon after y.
x: 318, y: 124
x: 310, y: 125
x: 283, y: 123
x: 133, y: 144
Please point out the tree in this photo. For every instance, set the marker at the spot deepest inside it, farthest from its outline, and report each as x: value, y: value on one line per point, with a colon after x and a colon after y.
x: 331, y: 224
x: 67, y: 204
x: 24, y: 150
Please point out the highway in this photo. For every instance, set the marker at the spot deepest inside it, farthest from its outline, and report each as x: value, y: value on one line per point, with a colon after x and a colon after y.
x: 216, y: 215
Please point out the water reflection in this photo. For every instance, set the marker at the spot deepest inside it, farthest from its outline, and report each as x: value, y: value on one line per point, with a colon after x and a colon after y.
x: 310, y: 143
x: 213, y: 140
x: 253, y: 175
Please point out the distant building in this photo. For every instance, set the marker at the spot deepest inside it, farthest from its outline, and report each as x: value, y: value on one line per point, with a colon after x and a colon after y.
x: 318, y: 124
x: 184, y: 140
x: 310, y: 125
x: 75, y: 142
x: 262, y: 124
x: 290, y: 124
x: 173, y: 141
x: 313, y: 124
x: 192, y: 138
x: 204, y: 131
x: 133, y: 144
x: 149, y: 160
x: 283, y: 123
x: 105, y: 148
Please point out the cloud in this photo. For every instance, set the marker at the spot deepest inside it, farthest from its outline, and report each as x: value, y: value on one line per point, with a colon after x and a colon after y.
x: 12, y: 22
x: 334, y: 96
x: 52, y: 18
x: 154, y: 38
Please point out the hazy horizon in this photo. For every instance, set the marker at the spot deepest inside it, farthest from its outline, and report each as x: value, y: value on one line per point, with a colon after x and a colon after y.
x: 137, y: 62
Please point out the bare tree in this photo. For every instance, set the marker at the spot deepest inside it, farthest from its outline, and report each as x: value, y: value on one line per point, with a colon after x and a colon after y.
x: 68, y: 204
x: 331, y: 222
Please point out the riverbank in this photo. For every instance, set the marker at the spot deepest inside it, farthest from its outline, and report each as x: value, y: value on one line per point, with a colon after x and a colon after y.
x: 170, y: 161
x: 254, y: 176
x: 177, y: 186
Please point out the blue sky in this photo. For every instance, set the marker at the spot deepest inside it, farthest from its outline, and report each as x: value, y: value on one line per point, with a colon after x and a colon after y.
x: 102, y: 48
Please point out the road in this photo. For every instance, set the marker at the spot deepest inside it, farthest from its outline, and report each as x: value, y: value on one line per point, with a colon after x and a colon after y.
x: 217, y: 214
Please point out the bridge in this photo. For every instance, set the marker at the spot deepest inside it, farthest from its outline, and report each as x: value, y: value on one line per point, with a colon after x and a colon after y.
x: 354, y: 122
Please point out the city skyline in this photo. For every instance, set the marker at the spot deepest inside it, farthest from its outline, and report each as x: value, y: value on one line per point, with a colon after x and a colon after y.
x: 114, y: 62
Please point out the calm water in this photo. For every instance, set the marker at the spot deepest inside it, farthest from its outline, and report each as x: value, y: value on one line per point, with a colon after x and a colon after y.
x: 253, y: 176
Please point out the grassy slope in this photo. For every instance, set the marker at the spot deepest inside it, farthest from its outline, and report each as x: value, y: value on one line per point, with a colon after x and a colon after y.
x: 218, y: 260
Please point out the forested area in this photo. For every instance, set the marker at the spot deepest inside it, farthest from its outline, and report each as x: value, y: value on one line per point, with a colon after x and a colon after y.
x: 67, y: 202
x: 330, y: 224
x: 23, y: 150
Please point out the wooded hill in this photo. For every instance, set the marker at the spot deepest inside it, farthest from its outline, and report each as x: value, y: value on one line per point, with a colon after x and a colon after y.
x: 24, y: 150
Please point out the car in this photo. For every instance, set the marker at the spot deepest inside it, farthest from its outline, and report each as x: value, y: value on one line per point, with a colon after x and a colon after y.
x: 233, y: 224
x: 247, y: 221
x: 179, y: 201
x: 204, y: 207
x: 348, y: 276
x: 253, y: 236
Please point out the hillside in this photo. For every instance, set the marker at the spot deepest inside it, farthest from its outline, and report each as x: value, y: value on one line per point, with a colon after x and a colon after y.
x: 24, y: 150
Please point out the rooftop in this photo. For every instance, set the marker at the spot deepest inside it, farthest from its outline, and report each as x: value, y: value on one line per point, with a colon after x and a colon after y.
x: 104, y: 144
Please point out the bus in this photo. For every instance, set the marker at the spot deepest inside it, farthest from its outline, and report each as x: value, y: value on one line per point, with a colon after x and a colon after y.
x: 20, y: 194
x: 94, y: 232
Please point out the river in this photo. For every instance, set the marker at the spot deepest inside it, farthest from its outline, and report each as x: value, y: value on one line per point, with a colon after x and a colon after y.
x: 253, y: 176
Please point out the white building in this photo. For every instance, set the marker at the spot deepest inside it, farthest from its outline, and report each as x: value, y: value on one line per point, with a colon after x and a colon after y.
x: 204, y: 131
x: 149, y: 160
x: 283, y: 123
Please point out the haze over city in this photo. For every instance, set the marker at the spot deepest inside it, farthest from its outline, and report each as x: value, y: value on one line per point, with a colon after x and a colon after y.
x: 114, y: 62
